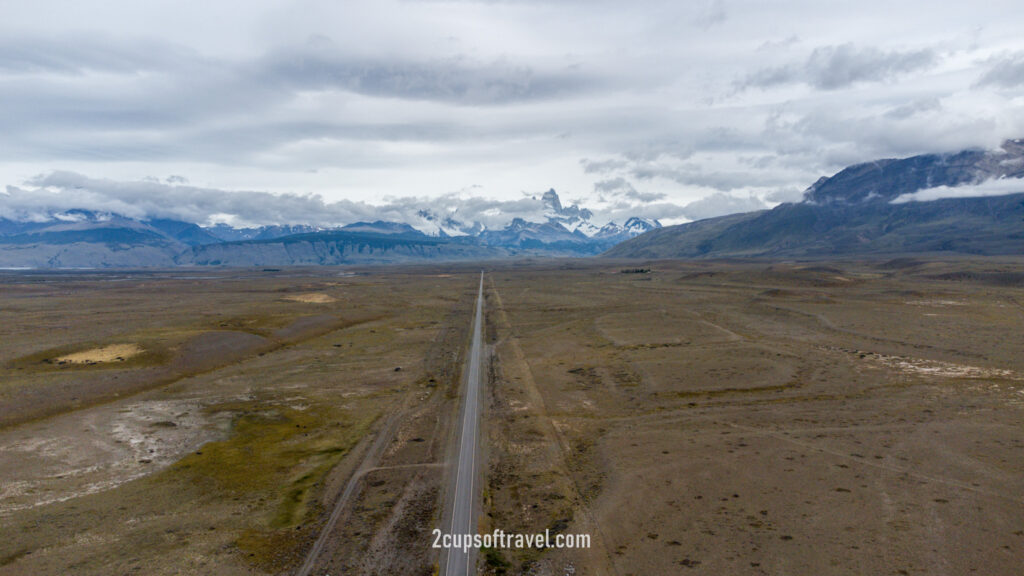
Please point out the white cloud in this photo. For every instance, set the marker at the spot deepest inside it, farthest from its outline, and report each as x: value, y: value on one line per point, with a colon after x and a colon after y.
x: 996, y: 187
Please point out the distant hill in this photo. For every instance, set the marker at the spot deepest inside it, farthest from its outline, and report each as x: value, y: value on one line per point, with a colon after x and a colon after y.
x: 81, y: 238
x: 853, y: 213
x: 118, y: 243
x: 887, y: 179
x: 334, y: 248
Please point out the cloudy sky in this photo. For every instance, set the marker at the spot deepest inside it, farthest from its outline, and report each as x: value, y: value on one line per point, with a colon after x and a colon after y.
x: 303, y: 110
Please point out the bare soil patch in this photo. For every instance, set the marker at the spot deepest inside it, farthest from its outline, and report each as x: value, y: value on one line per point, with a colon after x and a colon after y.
x: 111, y: 353
x: 314, y: 298
x: 98, y: 449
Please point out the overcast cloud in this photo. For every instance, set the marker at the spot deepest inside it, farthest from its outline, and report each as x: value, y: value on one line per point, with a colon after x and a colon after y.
x: 330, y: 112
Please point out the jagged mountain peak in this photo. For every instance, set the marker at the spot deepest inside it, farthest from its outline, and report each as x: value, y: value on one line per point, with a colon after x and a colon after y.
x: 552, y: 201
x: 574, y: 218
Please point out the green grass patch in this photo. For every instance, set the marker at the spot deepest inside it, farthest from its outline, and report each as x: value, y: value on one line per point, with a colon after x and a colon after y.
x: 495, y: 561
x: 276, y: 456
x: 719, y: 392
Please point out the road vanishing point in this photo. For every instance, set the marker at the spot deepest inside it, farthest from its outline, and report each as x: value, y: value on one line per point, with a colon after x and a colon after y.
x: 461, y: 562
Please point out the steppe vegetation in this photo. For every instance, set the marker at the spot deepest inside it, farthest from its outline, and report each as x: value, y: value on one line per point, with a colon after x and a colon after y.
x: 699, y: 417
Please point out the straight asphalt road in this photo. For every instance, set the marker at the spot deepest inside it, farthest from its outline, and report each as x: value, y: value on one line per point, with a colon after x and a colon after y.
x: 461, y: 562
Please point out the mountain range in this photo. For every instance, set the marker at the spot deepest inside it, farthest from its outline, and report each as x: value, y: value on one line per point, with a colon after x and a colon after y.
x: 78, y: 238
x: 873, y: 208
x: 868, y: 209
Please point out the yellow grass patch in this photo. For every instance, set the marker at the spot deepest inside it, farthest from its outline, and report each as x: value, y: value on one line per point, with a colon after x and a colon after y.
x: 112, y: 353
x: 314, y: 298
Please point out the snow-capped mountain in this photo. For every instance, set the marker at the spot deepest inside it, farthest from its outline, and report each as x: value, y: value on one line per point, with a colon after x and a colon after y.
x: 552, y: 227
x: 573, y: 218
x: 433, y: 224
x: 78, y: 225
x: 550, y: 235
x: 230, y: 234
x: 564, y: 229
x: 552, y: 224
x: 83, y: 238
x: 635, y: 226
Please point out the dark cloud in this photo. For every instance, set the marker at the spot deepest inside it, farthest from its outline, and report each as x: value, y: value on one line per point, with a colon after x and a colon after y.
x: 317, y: 64
x: 320, y: 65
x: 836, y: 67
x: 98, y: 99
x: 1005, y: 72
x: 613, y: 185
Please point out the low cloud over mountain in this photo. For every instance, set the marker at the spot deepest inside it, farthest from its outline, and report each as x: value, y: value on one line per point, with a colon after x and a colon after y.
x: 45, y: 196
x: 970, y: 202
x: 155, y: 223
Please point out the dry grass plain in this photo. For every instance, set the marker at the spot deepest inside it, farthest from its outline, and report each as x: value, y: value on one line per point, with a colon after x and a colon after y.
x: 205, y: 422
x: 755, y: 418
x: 698, y: 418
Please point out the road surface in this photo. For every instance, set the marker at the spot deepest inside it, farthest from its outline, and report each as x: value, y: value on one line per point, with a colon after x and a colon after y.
x: 463, y: 521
